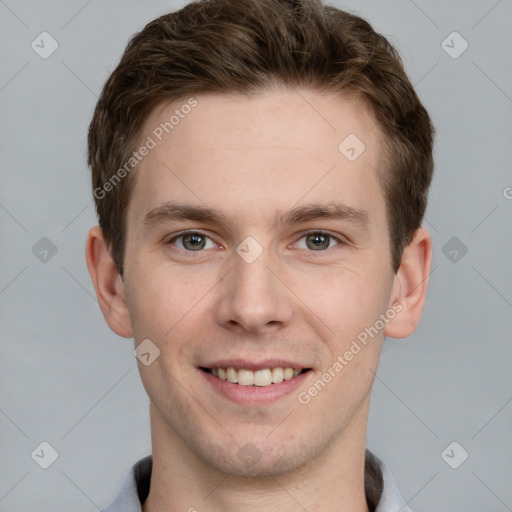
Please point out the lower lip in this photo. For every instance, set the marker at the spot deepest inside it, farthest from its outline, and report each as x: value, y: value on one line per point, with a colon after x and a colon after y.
x: 255, y: 394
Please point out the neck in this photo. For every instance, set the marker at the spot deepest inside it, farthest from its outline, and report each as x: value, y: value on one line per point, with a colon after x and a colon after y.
x: 333, y: 482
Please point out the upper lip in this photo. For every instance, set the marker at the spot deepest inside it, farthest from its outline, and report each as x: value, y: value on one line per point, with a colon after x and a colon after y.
x: 254, y: 365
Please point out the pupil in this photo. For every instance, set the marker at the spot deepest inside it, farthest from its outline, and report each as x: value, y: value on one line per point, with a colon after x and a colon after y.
x: 195, y: 241
x: 320, y: 241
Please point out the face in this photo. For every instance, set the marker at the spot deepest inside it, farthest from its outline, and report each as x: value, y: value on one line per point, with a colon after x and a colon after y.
x: 254, y: 243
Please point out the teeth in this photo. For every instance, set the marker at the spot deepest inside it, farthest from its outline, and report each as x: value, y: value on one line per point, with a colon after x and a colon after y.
x: 262, y: 378
x: 231, y: 375
x: 245, y: 377
x: 277, y: 375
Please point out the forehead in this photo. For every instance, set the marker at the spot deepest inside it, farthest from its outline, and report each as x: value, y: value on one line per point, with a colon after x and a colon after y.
x: 257, y: 157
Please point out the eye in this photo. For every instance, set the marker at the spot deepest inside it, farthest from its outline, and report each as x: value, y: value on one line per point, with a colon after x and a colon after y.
x: 318, y: 241
x: 191, y: 241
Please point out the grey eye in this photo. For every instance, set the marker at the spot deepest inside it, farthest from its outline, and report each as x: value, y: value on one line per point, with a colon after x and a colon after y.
x: 194, y: 241
x: 318, y: 241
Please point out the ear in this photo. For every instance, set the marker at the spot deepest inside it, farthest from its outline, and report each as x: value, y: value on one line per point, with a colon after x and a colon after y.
x: 108, y: 284
x: 410, y: 286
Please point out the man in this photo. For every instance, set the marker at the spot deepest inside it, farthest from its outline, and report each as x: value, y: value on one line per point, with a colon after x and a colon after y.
x: 260, y: 171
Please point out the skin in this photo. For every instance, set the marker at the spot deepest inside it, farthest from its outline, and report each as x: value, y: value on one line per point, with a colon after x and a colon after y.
x: 254, y: 159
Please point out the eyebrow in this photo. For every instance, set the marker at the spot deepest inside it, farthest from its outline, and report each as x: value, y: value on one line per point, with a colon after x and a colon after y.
x: 177, y: 211
x: 331, y: 211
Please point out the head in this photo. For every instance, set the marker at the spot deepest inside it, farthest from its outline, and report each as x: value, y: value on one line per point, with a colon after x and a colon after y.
x: 230, y: 118
x: 252, y: 47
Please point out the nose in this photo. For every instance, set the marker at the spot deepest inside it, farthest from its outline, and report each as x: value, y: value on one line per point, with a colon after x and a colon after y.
x: 254, y: 297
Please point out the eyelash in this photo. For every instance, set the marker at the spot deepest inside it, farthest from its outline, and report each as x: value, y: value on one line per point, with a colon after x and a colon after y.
x: 303, y: 234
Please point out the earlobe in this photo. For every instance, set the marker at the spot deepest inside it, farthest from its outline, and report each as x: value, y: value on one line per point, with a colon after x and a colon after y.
x: 410, y: 286
x: 107, y: 283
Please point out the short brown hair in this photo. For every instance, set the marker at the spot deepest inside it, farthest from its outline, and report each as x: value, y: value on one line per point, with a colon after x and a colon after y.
x: 245, y: 46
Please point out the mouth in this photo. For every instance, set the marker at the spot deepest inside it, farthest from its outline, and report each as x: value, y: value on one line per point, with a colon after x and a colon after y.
x: 264, y: 377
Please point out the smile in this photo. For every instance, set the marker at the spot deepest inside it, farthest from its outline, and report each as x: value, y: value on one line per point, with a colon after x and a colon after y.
x: 264, y: 377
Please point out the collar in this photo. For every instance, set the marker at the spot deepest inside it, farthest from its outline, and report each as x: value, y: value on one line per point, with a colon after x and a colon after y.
x: 381, y: 491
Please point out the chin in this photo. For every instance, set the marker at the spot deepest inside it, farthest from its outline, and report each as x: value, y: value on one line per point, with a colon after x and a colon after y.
x: 247, y: 461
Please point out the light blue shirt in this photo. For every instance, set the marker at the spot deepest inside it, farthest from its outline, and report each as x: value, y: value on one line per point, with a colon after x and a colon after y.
x: 135, y: 488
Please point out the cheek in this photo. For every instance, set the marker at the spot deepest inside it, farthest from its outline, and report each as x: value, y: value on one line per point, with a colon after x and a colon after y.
x: 353, y: 345
x: 346, y: 301
x: 159, y: 303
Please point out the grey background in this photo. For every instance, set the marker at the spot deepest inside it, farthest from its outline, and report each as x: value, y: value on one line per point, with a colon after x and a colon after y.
x: 66, y: 379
